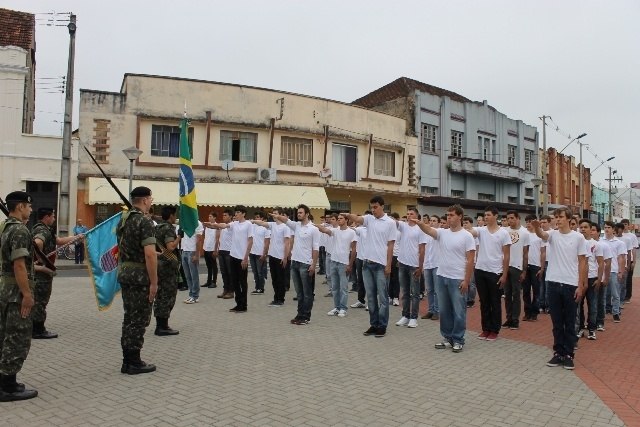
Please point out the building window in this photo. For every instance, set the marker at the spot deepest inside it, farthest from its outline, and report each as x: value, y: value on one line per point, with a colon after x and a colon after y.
x: 637, y: 209
x: 512, y: 199
x: 296, y: 151
x: 165, y: 141
x: 384, y: 163
x: 528, y: 202
x: 101, y: 140
x: 528, y: 160
x: 456, y: 143
x: 429, y: 190
x: 429, y: 134
x: 238, y: 146
x: 344, y: 163
x: 485, y: 145
x: 486, y: 197
x: 528, y: 192
x: 340, y: 205
x: 457, y: 193
x: 512, y: 155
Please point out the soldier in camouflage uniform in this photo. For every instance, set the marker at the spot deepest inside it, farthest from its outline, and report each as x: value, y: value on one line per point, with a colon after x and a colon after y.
x: 45, y: 237
x: 138, y: 277
x: 16, y: 296
x: 168, y: 262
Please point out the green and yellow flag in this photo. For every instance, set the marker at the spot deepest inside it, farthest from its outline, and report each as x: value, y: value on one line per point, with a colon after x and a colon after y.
x: 188, y: 205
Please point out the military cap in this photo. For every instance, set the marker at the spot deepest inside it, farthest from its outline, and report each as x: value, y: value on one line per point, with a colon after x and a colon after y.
x: 141, y: 192
x: 18, y: 196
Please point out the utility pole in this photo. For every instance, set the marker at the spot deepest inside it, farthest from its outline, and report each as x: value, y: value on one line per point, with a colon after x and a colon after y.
x: 65, y: 171
x: 581, y: 198
x: 545, y: 169
x: 611, y: 180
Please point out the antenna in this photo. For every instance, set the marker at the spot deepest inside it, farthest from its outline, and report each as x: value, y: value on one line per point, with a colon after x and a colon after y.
x: 227, y: 165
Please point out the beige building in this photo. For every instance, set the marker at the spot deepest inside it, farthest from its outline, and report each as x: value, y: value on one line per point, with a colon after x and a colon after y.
x: 284, y: 148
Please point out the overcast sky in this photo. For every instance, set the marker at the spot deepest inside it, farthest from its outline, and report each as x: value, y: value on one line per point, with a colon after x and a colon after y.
x: 576, y: 61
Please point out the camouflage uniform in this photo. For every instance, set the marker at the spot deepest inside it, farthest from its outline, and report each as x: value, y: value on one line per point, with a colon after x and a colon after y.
x: 134, y: 233
x: 43, y: 280
x: 15, y: 331
x: 167, y: 272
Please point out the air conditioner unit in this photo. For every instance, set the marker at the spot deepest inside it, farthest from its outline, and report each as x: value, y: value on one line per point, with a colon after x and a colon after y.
x: 266, y: 174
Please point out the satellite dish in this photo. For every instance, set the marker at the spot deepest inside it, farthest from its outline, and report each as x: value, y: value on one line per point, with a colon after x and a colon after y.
x: 325, y: 173
x: 227, y: 165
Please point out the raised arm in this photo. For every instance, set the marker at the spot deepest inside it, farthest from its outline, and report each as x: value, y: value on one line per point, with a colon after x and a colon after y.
x: 356, y: 219
x: 426, y: 228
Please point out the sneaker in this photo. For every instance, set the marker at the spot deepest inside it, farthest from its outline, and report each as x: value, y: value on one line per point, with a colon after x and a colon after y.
x: 492, y: 336
x: 357, y: 304
x: 395, y: 302
x: 189, y: 301
x: 329, y: 294
x: 616, y: 318
x: 457, y: 348
x: 234, y: 309
x: 600, y: 328
x: 295, y: 298
x: 371, y: 331
x: 514, y: 326
x: 421, y: 296
x: 427, y: 316
x: 258, y: 292
x: 568, y: 363
x: 442, y: 345
x: 580, y: 334
x: 366, y: 308
x: 294, y: 320
x: 403, y: 321
x: 413, y: 323
x: 333, y: 312
x: 471, y: 304
x: 381, y: 332
x: 275, y: 304
x: 526, y: 318
x: 435, y: 316
x: 506, y: 324
x: 483, y: 335
x: 592, y: 335
x: 342, y: 313
x: 556, y: 360
x: 533, y: 318
x: 302, y: 322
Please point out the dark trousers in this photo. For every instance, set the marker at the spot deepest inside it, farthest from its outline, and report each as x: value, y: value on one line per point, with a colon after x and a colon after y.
x: 322, y: 258
x: 600, y: 296
x: 137, y: 315
x: 212, y: 267
x: 79, y: 252
x: 304, y: 284
x: 239, y: 280
x: 629, y: 285
x: 512, y: 292
x: 394, y: 279
x: 531, y: 292
x: 362, y: 293
x: 278, y: 273
x: 490, y: 304
x: 591, y: 297
x: 563, y: 308
x: 225, y: 270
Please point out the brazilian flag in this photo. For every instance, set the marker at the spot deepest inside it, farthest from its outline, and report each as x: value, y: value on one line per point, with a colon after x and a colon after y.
x: 188, y: 205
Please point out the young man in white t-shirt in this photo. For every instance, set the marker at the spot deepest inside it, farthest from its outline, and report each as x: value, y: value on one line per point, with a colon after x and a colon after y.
x: 361, y: 236
x: 191, y: 248
x: 518, y: 264
x: 491, y: 271
x: 381, y: 235
x: 430, y: 269
x: 618, y: 263
x: 410, y: 264
x: 567, y: 284
x: 630, y: 235
x: 241, y: 243
x: 343, y: 253
x: 453, y: 277
x: 209, y: 248
x: 620, y: 227
x: 223, y: 249
x: 258, y: 255
x: 604, y: 277
x: 532, y: 285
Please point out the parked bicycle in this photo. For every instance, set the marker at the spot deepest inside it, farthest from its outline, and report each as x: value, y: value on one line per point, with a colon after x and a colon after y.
x: 66, y: 252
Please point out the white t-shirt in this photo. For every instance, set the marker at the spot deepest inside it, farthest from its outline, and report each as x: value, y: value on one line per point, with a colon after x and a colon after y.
x: 396, y: 244
x: 519, y: 240
x: 306, y: 240
x: 279, y: 232
x: 209, y: 239
x: 454, y: 247
x: 380, y: 231
x: 341, y: 244
x: 595, y: 250
x: 225, y: 239
x: 603, y: 248
x: 259, y: 234
x: 189, y: 244
x: 490, y: 252
x: 618, y: 247
x: 535, y: 249
x: 567, y: 247
x: 412, y: 238
x: 361, y: 236
x: 240, y: 232
x: 431, y: 253
x: 630, y: 240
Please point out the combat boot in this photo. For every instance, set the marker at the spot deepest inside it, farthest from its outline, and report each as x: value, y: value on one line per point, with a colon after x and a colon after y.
x: 40, y: 332
x: 11, y: 390
x: 163, y: 328
x: 133, y: 365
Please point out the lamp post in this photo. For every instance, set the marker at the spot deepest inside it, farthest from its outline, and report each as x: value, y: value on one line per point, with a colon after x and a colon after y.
x: 537, y: 182
x: 132, y: 154
x: 581, y: 195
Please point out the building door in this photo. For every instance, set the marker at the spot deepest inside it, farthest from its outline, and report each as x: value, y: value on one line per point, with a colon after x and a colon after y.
x: 44, y: 195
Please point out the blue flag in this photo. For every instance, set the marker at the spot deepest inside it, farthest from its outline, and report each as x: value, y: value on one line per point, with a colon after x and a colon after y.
x: 102, y: 256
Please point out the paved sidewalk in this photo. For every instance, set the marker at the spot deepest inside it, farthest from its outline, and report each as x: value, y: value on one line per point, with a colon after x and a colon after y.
x: 256, y: 369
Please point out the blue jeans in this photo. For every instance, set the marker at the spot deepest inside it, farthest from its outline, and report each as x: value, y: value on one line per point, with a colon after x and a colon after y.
x: 563, y: 308
x: 339, y: 284
x: 376, y: 285
x: 432, y: 295
x: 191, y: 274
x: 453, y: 309
x: 623, y: 287
x: 592, y: 308
x: 303, y: 284
x: 613, y: 293
x: 259, y: 269
x: 410, y: 288
x: 471, y: 293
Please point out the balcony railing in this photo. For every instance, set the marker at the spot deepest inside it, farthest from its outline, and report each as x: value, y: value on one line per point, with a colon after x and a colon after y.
x: 486, y: 168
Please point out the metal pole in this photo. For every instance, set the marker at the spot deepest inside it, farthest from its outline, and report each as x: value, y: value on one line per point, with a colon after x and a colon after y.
x: 610, y: 206
x: 545, y: 169
x: 580, y: 199
x: 130, y: 178
x: 65, y: 168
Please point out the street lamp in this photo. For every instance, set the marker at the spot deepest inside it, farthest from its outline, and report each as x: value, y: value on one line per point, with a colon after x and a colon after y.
x: 132, y: 154
x: 537, y: 182
x: 602, y: 163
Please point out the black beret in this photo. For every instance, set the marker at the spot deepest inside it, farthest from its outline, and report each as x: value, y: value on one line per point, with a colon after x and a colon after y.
x: 141, y: 192
x: 45, y: 211
x: 19, y: 196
